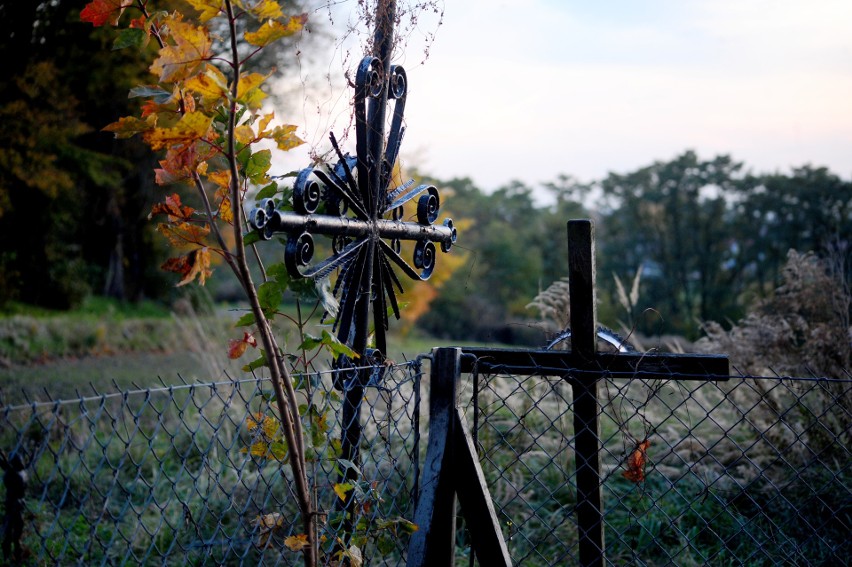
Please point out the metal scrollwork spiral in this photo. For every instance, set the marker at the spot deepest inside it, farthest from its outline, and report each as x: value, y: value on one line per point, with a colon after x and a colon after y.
x: 424, y: 258
x: 306, y: 193
x: 398, y: 86
x: 428, y: 206
x: 298, y: 253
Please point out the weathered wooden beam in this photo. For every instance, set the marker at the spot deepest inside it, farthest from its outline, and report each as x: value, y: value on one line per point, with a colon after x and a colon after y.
x: 475, y: 499
x: 704, y: 367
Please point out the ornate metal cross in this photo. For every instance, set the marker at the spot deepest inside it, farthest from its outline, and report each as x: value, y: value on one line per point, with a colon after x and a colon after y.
x: 348, y: 203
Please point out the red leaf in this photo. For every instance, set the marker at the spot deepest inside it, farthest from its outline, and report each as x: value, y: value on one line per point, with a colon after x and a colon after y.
x: 100, y: 12
x: 249, y: 339
x: 636, y: 463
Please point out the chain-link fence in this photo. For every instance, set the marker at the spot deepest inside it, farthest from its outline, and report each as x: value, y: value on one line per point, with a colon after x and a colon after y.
x: 752, y: 470
x: 196, y: 474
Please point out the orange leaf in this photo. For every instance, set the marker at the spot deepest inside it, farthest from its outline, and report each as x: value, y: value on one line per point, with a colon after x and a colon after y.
x: 636, y: 462
x: 221, y: 178
x: 192, y: 47
x: 195, y: 264
x: 174, y: 208
x: 236, y: 348
x: 100, y: 12
x: 296, y: 542
x: 183, y: 233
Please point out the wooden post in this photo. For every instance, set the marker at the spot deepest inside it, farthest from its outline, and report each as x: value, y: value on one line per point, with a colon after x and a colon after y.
x: 587, y: 445
x: 452, y: 468
x: 434, y: 542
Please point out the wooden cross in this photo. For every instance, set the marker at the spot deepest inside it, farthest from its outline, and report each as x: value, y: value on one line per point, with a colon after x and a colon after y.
x: 583, y: 367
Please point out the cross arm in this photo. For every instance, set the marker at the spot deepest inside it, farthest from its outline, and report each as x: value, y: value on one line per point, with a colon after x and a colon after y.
x: 707, y: 367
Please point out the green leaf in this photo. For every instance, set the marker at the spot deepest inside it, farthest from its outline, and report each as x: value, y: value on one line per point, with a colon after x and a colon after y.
x: 310, y: 342
x: 258, y: 164
x: 131, y: 37
x: 158, y: 94
x: 250, y: 238
x: 279, y: 273
x: 336, y: 347
x: 267, y: 191
x: 245, y: 320
x: 385, y: 544
x: 303, y: 287
x: 269, y: 294
x: 257, y: 363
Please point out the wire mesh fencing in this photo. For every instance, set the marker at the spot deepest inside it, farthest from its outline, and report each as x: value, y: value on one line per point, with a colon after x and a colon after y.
x: 196, y: 474
x: 752, y: 470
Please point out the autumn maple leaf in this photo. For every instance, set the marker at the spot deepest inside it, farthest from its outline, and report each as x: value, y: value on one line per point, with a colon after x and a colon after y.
x: 192, y: 47
x: 101, y: 12
x: 194, y: 265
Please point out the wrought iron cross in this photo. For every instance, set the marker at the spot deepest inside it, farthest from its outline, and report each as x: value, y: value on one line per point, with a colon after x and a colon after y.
x: 349, y: 203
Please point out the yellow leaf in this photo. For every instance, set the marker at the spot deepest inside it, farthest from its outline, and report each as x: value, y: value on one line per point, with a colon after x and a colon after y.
x: 285, y: 137
x: 192, y: 126
x: 264, y: 122
x: 267, y: 9
x: 267, y: 424
x: 341, y: 489
x: 297, y: 542
x: 191, y: 48
x: 211, y: 85
x: 226, y: 213
x: 272, y: 30
x: 244, y: 134
x: 248, y: 90
x: 208, y: 9
x: 221, y: 178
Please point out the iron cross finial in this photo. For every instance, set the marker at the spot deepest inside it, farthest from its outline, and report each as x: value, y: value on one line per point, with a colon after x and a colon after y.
x: 349, y: 202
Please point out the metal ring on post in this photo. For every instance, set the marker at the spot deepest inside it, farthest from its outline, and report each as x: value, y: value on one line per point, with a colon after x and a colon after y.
x: 446, y: 246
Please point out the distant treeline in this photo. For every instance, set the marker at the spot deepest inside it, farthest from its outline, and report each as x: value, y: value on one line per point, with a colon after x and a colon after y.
x: 709, y: 237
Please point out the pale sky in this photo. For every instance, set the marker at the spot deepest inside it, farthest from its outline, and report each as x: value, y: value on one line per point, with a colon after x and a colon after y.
x: 529, y: 90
